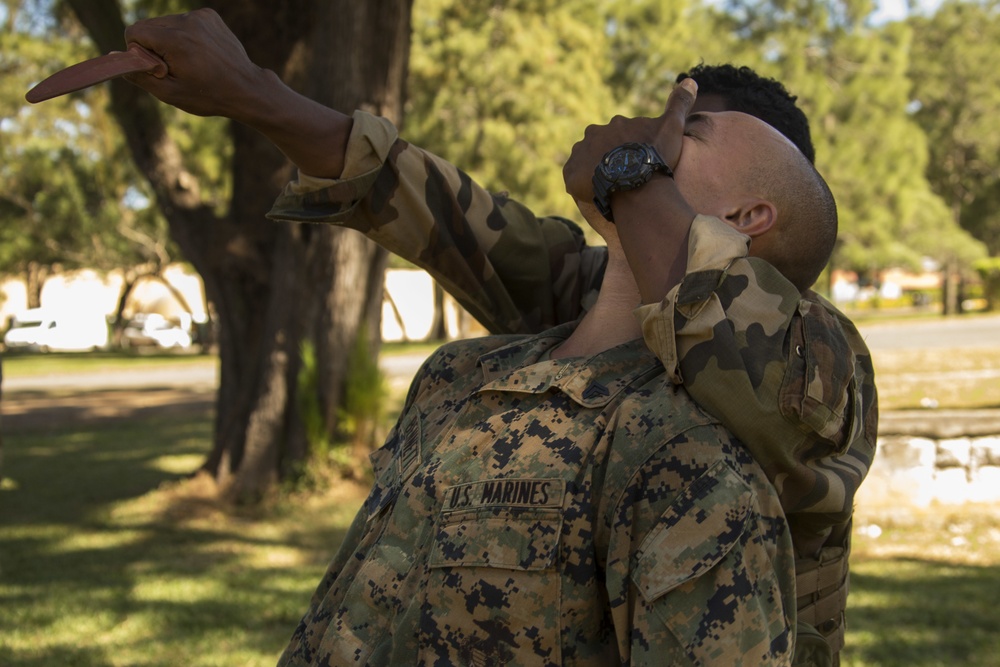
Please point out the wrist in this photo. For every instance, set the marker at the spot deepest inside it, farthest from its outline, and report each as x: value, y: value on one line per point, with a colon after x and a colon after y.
x: 625, y: 168
x: 314, y: 137
x: 261, y: 101
x: 654, y: 225
x: 658, y: 203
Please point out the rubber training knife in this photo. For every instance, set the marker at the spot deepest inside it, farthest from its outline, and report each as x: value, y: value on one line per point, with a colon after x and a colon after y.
x: 94, y: 71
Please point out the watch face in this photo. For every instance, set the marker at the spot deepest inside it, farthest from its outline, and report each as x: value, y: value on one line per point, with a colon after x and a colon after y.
x: 624, y: 161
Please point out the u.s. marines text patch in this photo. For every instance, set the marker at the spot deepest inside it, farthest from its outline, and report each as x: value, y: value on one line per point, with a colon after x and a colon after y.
x: 514, y: 493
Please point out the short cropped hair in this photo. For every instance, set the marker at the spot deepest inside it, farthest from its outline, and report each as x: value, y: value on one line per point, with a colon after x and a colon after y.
x: 767, y: 99
x: 807, y: 214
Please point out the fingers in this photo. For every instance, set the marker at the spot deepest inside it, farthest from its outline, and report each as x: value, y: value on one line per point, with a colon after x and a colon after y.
x: 208, y: 70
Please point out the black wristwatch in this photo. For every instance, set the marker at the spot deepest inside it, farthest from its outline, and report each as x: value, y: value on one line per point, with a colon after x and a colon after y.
x: 625, y: 168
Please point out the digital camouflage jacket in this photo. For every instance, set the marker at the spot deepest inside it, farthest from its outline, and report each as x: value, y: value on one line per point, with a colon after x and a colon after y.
x: 786, y: 372
x: 531, y: 511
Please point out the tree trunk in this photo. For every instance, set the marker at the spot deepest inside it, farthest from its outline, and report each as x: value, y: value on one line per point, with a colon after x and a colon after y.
x: 950, y: 293
x: 439, y: 326
x: 35, y: 275
x: 273, y: 285
x: 129, y: 279
x: 1, y: 426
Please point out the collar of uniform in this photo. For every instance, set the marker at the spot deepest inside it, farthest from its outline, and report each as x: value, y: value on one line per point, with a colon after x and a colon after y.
x: 591, y: 382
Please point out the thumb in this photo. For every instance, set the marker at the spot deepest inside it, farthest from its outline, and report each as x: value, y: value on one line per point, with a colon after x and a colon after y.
x: 671, y: 123
x: 681, y: 99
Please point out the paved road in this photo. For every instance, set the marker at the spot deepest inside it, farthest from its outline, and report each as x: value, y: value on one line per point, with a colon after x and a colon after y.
x: 968, y: 331
x: 972, y: 331
x: 193, y: 376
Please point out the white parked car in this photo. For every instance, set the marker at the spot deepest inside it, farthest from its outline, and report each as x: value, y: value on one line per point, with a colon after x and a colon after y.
x: 154, y: 330
x: 46, y: 330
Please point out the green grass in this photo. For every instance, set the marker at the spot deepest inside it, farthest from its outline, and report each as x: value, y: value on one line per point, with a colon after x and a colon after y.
x: 423, y: 349
x: 112, y: 555
x: 913, y: 611
x: 109, y: 556
x: 924, y: 589
x: 28, y: 364
x: 31, y: 364
x: 952, y: 377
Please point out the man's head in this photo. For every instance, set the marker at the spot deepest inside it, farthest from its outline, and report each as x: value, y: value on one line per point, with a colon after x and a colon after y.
x: 740, y: 169
x: 731, y: 88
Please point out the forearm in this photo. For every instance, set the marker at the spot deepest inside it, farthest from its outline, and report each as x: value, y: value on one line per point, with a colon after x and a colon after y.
x: 314, y: 137
x: 654, y: 224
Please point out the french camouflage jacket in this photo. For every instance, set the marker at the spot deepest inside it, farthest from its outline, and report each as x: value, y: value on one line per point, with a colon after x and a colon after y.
x: 533, y: 511
x: 785, y: 371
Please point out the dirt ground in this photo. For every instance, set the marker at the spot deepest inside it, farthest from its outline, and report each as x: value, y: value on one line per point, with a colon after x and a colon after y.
x: 34, y: 411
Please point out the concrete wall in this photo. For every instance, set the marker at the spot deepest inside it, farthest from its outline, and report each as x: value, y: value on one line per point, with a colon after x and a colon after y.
x: 946, y: 457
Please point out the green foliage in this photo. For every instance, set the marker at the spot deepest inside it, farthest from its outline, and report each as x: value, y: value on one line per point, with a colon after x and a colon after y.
x: 68, y: 192
x: 988, y: 267
x: 650, y: 43
x: 510, y: 119
x: 957, y: 98
x: 989, y: 271
x: 70, y: 195
x: 364, y: 396
x: 208, y: 153
x: 851, y: 80
x: 309, y: 405
x: 358, y: 416
x: 504, y: 90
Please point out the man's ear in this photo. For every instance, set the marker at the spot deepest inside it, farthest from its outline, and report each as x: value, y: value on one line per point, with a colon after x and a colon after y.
x: 754, y: 217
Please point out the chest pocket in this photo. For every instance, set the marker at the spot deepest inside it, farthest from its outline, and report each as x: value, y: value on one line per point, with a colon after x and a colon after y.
x: 494, y: 589
x: 706, y: 574
x: 525, y: 540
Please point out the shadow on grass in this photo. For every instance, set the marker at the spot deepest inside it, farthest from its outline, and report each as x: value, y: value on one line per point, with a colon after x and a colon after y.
x: 55, y: 414
x: 94, y: 569
x: 914, y: 612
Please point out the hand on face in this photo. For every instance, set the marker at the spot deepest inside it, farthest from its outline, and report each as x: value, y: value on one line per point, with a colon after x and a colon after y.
x: 665, y: 133
x: 209, y: 71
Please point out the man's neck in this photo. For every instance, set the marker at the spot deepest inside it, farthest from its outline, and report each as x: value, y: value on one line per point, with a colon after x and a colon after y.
x: 610, y: 322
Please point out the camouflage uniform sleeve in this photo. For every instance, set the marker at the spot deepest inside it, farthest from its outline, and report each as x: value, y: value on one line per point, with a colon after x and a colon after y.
x: 784, y: 371
x: 513, y: 271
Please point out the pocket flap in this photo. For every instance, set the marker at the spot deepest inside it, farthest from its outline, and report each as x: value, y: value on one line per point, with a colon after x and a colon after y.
x: 695, y: 533
x: 500, y: 538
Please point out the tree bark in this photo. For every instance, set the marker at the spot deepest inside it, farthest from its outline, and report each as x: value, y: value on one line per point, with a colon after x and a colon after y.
x: 439, y: 325
x: 272, y: 286
x: 35, y: 275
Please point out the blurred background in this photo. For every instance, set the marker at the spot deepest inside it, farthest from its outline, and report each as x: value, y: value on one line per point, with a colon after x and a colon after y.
x: 190, y: 391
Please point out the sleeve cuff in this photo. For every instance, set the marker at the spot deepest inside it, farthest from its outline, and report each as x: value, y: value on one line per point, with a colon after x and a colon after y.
x: 333, y: 200
x: 367, y: 149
